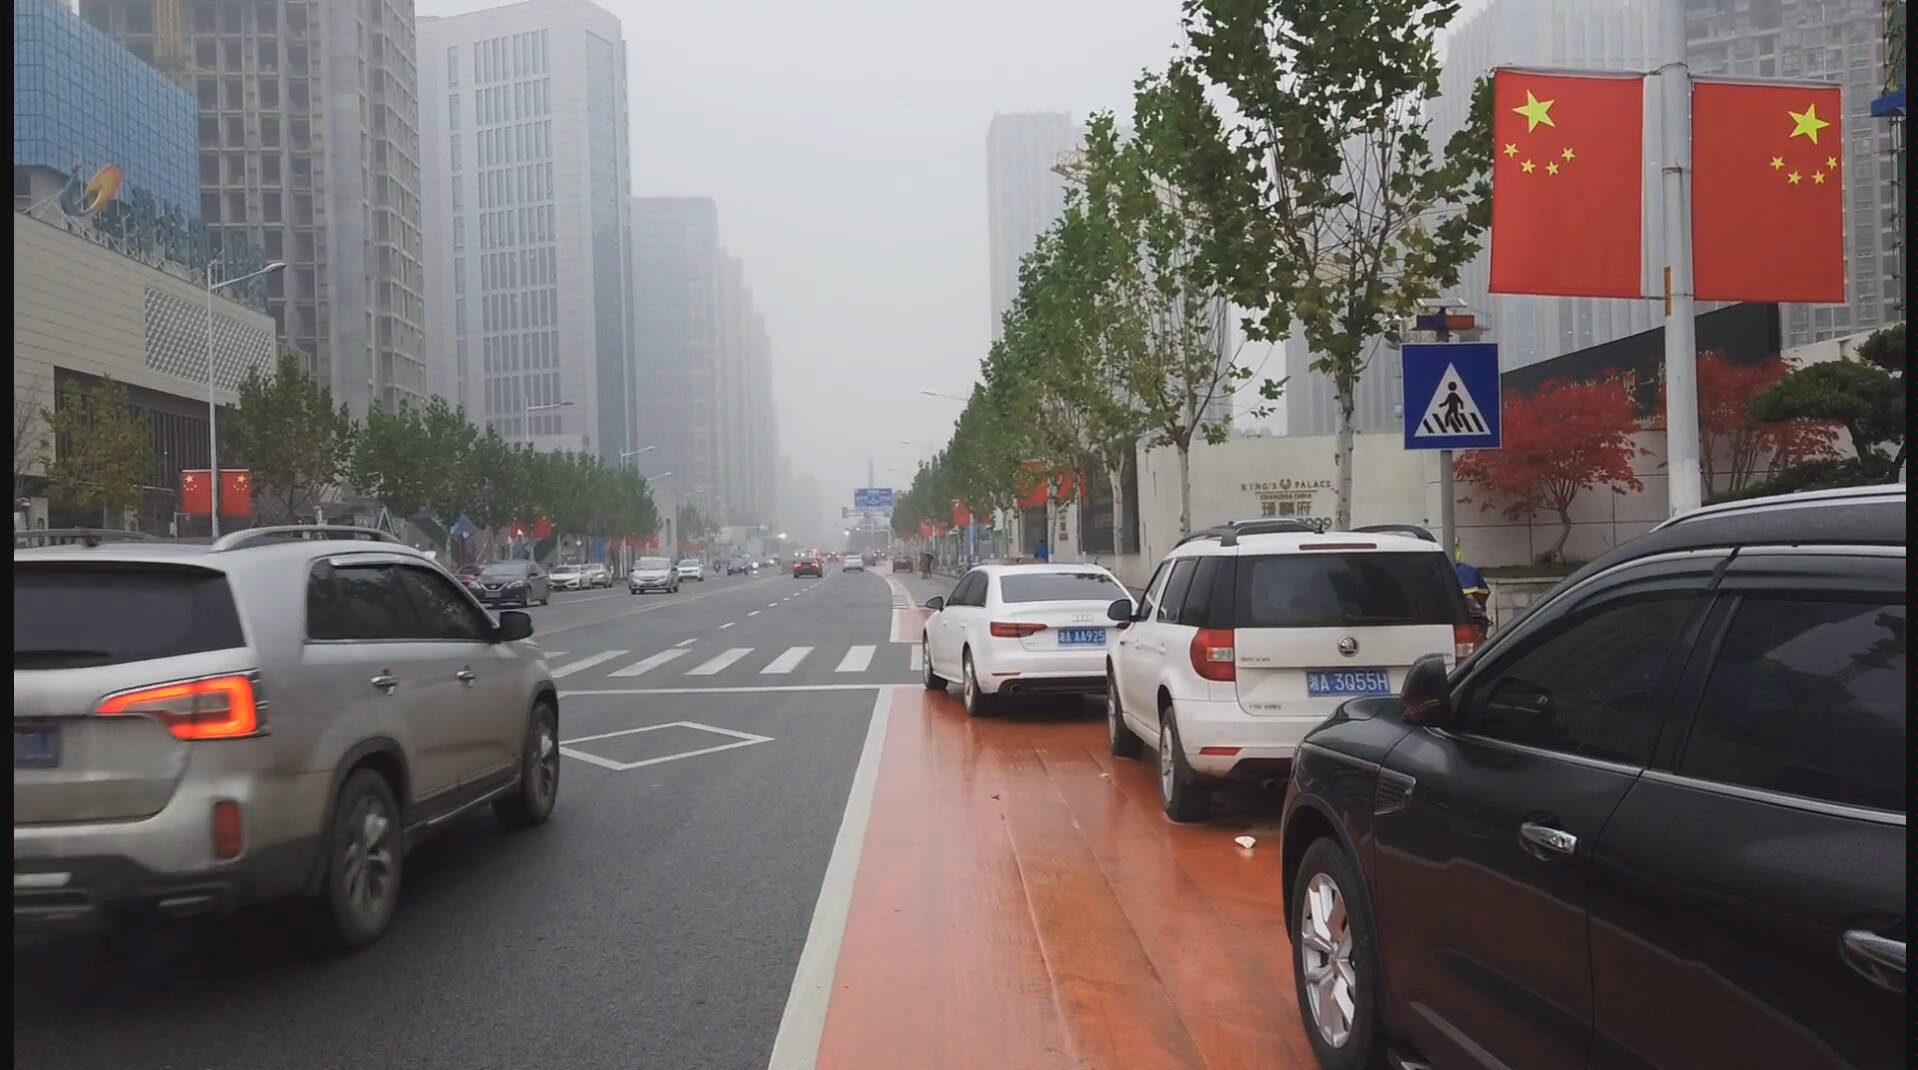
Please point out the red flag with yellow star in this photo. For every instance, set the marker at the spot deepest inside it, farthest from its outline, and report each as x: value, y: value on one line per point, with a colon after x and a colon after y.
x: 1568, y: 185
x: 1768, y: 201
x: 196, y: 491
x: 236, y: 492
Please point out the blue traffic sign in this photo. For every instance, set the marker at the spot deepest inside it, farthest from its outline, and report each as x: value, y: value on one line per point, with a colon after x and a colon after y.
x: 872, y: 498
x: 1452, y: 396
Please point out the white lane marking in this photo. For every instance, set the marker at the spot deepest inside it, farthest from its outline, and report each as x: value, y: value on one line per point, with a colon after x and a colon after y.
x: 646, y: 665
x: 918, y: 659
x: 551, y: 654
x: 719, y: 663
x: 755, y: 613
x: 740, y: 739
x: 787, y: 661
x: 858, y: 659
x: 803, y: 1024
x: 587, y: 663
x: 727, y: 625
x: 687, y: 642
x: 772, y: 605
x: 722, y: 690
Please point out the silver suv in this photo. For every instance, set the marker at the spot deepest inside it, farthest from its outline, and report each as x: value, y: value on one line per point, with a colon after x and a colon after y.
x: 278, y: 714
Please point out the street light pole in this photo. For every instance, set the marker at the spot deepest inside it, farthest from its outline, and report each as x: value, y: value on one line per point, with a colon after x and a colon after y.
x: 212, y: 398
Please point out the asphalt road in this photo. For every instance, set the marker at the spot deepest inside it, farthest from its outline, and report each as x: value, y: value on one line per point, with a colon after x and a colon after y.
x: 655, y: 922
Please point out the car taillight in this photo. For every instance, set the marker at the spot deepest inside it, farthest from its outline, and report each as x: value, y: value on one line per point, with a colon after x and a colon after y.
x: 229, y: 830
x: 1002, y: 629
x: 1214, y: 655
x: 223, y: 707
x: 1465, y: 639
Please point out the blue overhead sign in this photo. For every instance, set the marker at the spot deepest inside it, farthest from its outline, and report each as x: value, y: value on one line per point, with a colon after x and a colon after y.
x: 1452, y: 396
x: 872, y: 498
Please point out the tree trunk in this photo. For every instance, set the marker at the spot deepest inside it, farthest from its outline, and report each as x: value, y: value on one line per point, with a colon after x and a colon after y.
x: 1185, y: 489
x: 1116, y: 474
x: 1557, y: 552
x: 1342, y: 447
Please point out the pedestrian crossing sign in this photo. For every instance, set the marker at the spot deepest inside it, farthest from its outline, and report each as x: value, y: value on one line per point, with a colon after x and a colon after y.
x: 1452, y: 397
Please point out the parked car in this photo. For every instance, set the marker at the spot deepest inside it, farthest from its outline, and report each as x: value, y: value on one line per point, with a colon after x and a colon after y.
x: 567, y: 577
x: 690, y: 568
x: 1020, y: 629
x: 653, y: 574
x: 808, y: 566
x: 1659, y: 821
x: 514, y: 582
x: 598, y: 574
x: 201, y: 727
x: 1245, y: 640
x: 852, y: 563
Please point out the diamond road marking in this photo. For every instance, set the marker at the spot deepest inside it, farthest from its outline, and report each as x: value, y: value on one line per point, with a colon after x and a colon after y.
x: 740, y: 739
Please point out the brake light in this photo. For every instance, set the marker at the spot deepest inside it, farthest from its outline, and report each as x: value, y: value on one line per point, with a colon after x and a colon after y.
x: 1015, y: 629
x: 1465, y: 639
x: 1214, y: 655
x: 223, y: 707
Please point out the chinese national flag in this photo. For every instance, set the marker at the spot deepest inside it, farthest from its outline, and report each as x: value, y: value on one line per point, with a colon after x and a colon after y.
x: 961, y: 516
x: 196, y: 491
x: 542, y: 528
x: 1768, y: 201
x: 236, y: 492
x: 1568, y: 185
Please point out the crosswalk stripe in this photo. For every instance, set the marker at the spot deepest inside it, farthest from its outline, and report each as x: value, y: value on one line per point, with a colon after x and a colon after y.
x: 858, y: 659
x: 587, y: 663
x: 918, y: 659
x: 787, y: 661
x: 550, y: 654
x: 646, y: 665
x: 719, y: 663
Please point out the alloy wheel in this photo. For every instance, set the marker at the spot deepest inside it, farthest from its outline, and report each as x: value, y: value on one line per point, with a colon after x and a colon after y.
x: 545, y: 771
x: 1325, y: 957
x: 368, y: 865
x: 1168, y: 774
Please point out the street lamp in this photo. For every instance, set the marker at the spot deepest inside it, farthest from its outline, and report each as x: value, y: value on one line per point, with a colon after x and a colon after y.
x: 212, y: 402
x: 948, y: 397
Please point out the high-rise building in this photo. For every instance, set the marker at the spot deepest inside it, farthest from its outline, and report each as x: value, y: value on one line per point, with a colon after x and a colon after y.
x: 524, y: 122
x: 1024, y: 194
x: 705, y: 410
x: 309, y: 149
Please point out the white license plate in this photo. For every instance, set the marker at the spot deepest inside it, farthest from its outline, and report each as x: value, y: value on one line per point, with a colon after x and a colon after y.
x: 1082, y: 637
x: 1330, y: 683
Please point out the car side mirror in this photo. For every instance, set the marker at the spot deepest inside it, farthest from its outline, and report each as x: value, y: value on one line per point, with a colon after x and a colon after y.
x: 935, y: 603
x: 1120, y: 611
x: 1425, y: 699
x: 514, y: 625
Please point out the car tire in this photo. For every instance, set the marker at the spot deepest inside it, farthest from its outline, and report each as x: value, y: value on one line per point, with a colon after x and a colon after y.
x: 532, y: 802
x: 977, y: 702
x: 1121, y: 740
x: 1186, y: 795
x: 365, y: 850
x: 932, y: 680
x: 1335, y: 954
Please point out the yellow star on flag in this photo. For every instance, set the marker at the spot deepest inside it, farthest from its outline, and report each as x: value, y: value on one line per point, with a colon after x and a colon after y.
x: 1551, y: 169
x: 1794, y: 178
x: 1511, y: 150
x: 1778, y: 163
x: 1567, y: 154
x: 1528, y: 167
x: 1818, y: 178
x: 1807, y: 123
x: 1538, y: 112
x: 1831, y: 162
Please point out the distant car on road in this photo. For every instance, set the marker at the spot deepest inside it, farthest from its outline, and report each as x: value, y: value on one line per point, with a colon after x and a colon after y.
x: 902, y: 564
x: 738, y: 566
x: 567, y: 577
x: 691, y: 569
x: 514, y: 582
x: 808, y: 566
x: 652, y: 574
x: 853, y: 564
x: 279, y: 714
x: 598, y: 574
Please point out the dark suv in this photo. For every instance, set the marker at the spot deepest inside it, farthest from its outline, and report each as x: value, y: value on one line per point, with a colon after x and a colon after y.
x: 1659, y: 822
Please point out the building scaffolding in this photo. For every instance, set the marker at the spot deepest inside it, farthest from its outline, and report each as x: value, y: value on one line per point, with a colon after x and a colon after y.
x: 1890, y: 107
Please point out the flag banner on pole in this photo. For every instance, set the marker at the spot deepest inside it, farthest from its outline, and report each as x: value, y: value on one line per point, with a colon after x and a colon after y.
x: 196, y: 491
x: 1568, y: 185
x: 1768, y: 201
x: 236, y: 492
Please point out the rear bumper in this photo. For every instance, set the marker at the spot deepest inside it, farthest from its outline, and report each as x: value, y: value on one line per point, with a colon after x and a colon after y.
x: 568, y: 585
x: 654, y: 585
x: 1262, y: 746
x: 1012, y: 670
x: 96, y: 893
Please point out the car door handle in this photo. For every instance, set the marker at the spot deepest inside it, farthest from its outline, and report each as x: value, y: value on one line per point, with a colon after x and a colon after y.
x: 1543, y: 841
x: 386, y: 682
x: 465, y: 676
x: 1881, y: 959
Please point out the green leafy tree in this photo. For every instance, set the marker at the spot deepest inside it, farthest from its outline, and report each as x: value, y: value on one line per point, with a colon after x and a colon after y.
x: 289, y: 434
x: 446, y: 439
x: 389, y: 460
x: 1298, y: 130
x: 102, y: 450
x: 1864, y: 394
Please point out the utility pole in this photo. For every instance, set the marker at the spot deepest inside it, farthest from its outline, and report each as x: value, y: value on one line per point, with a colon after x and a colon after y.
x: 1685, y: 491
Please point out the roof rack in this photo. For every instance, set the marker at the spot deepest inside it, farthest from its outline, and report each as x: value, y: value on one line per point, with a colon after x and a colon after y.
x: 250, y: 537
x: 1879, y: 491
x: 84, y: 536
x: 1228, y: 533
x: 1412, y: 530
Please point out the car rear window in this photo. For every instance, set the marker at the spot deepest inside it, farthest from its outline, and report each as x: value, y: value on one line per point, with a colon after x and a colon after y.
x: 73, y: 615
x: 1331, y: 589
x: 1060, y: 587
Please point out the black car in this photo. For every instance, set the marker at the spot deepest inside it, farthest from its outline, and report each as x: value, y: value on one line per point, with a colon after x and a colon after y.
x: 1658, y: 823
x: 808, y: 566
x: 901, y: 563
x: 513, y: 583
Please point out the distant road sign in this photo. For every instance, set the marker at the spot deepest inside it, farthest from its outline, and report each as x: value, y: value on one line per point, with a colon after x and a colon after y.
x: 872, y: 498
x: 1452, y: 399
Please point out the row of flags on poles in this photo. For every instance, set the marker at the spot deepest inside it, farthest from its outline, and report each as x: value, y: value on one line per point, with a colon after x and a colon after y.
x: 1568, y: 188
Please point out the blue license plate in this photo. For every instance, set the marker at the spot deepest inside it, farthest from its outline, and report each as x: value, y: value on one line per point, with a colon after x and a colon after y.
x: 36, y: 748
x: 1082, y: 637
x: 1325, y: 683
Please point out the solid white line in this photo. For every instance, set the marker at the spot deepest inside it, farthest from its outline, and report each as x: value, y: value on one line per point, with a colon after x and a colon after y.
x: 687, y: 642
x: 755, y: 613
x: 739, y: 690
x: 856, y: 660
x: 918, y: 658
x: 587, y: 663
x: 803, y: 1025
x: 719, y: 663
x: 787, y: 661
x: 646, y: 665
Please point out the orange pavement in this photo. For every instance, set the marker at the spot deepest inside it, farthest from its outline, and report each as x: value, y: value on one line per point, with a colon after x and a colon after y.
x: 1021, y: 904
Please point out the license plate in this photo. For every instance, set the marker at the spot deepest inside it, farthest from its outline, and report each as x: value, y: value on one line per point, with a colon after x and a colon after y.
x: 1082, y: 637
x: 36, y: 748
x: 1339, y: 682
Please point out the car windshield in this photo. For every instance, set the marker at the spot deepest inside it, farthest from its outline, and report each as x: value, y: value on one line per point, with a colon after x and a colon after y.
x: 1059, y: 587
x: 507, y: 570
x: 1329, y: 590
x: 652, y: 564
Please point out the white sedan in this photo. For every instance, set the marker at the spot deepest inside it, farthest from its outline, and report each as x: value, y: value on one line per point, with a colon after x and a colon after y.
x: 852, y: 563
x: 1021, y: 629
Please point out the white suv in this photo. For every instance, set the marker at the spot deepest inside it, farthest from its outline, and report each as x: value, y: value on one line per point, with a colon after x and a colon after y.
x: 1245, y: 640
